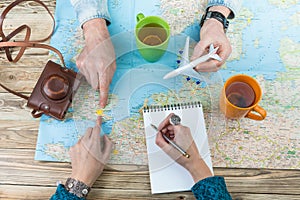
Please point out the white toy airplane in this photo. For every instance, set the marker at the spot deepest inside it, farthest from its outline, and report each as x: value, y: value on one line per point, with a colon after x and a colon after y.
x: 186, y: 67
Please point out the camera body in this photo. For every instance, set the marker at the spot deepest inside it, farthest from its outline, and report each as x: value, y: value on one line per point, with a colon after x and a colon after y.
x: 54, y: 91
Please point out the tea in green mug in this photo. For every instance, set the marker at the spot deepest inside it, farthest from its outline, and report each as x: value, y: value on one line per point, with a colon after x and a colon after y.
x: 152, y: 37
x: 152, y: 34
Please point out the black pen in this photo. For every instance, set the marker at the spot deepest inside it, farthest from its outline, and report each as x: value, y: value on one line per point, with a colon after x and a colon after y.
x: 185, y: 154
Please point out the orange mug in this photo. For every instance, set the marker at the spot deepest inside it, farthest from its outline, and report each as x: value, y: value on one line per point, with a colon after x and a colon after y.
x: 239, y: 98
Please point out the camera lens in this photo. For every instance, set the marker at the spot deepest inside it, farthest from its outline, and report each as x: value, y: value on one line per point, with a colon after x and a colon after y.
x: 56, y: 87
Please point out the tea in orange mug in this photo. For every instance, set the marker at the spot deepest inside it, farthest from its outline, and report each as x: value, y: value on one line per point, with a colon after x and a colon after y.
x: 240, y: 97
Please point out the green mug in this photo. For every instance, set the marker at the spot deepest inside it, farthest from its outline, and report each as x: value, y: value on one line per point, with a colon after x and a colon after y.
x: 152, y: 35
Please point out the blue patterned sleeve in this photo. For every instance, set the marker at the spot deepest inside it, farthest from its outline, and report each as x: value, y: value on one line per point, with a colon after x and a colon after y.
x: 233, y: 5
x: 91, y: 9
x: 211, y: 188
x: 62, y: 194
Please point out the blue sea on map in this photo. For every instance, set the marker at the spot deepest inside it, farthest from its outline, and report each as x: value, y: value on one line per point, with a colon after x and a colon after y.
x: 255, y: 60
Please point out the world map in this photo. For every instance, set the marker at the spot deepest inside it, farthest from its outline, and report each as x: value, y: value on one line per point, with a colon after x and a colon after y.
x: 264, y: 47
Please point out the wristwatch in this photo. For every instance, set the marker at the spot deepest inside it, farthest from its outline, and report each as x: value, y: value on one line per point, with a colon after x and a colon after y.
x: 216, y: 15
x: 77, y: 187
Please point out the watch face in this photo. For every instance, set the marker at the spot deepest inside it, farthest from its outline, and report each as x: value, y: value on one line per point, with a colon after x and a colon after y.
x: 175, y: 120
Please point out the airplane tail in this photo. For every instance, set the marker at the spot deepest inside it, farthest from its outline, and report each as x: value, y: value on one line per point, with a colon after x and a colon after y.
x: 216, y: 56
x: 213, y: 53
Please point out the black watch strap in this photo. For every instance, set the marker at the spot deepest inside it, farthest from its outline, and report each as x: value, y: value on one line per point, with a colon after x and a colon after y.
x: 216, y: 15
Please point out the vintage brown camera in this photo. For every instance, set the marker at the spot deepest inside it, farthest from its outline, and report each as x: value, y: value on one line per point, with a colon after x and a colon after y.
x: 54, y: 91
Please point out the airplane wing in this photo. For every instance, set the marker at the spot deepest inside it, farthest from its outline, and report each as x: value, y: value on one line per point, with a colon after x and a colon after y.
x: 185, y: 54
x: 191, y: 73
x: 185, y: 60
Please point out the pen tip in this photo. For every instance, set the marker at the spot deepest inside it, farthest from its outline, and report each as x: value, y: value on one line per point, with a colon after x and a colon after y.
x: 153, y: 126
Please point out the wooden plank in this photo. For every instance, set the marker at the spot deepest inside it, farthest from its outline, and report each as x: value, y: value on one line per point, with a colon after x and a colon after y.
x: 31, y: 53
x: 18, y: 139
x: 38, y: 19
x: 29, y: 6
x: 40, y: 28
x: 35, y: 61
x: 21, y: 168
x: 249, y: 196
x: 12, y: 192
x: 20, y: 79
x: 19, y: 76
x: 14, y: 108
x: 32, y: 192
x: 19, y: 125
x: 31, y: 14
x: 18, y: 134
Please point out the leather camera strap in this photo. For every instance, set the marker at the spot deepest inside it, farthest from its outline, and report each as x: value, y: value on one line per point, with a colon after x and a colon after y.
x: 20, y: 29
x: 33, y: 45
x: 14, y: 92
x: 6, y: 44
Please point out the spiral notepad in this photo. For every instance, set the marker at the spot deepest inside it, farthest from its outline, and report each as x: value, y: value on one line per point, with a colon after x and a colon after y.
x: 165, y: 174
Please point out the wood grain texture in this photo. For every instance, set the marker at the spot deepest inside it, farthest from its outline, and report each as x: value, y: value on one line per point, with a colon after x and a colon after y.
x: 20, y: 160
x: 29, y: 6
x: 17, y: 167
x: 13, y: 108
x: 21, y: 177
x: 44, y: 192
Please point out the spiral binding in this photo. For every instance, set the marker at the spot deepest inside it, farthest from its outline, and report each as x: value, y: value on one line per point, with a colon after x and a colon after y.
x: 178, y: 106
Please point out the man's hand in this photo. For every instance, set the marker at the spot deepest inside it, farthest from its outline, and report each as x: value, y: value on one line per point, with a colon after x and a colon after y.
x: 97, y: 59
x: 212, y: 32
x: 90, y: 155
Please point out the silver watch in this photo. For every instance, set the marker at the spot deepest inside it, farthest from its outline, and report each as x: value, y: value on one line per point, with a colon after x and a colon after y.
x: 77, y: 187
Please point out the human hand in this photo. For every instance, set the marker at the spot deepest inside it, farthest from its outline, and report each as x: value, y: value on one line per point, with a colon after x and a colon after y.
x: 97, y: 59
x: 212, y: 32
x: 89, y: 155
x: 182, y: 136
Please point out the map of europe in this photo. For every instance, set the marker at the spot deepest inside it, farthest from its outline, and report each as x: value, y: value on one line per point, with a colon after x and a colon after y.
x: 264, y: 47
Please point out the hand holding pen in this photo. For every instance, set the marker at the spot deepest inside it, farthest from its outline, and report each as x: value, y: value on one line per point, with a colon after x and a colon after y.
x: 182, y: 137
x: 178, y: 148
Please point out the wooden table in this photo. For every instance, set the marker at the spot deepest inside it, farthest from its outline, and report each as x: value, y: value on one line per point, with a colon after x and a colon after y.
x: 21, y: 177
